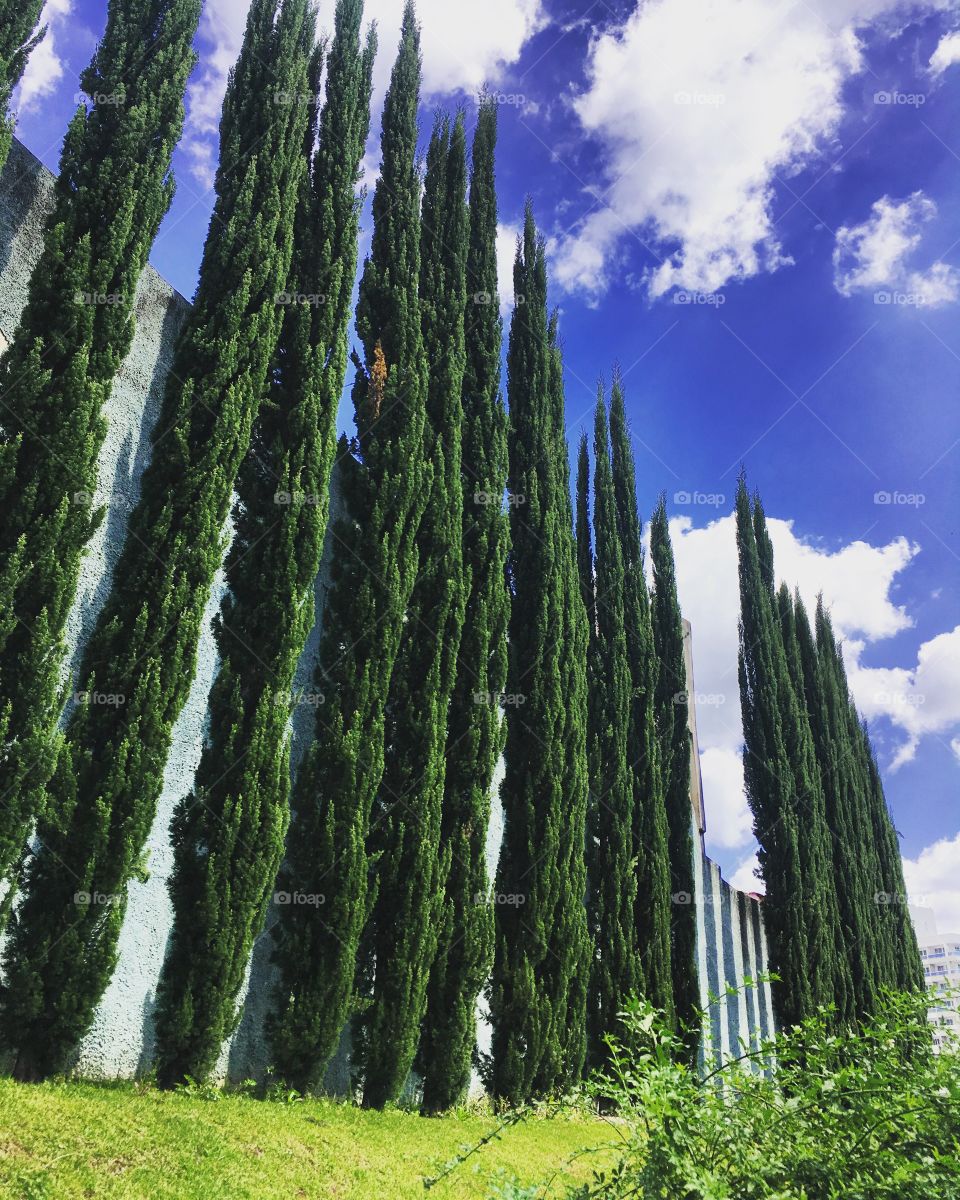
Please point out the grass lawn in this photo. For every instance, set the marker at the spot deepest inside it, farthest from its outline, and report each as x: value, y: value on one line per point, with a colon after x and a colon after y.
x: 66, y: 1140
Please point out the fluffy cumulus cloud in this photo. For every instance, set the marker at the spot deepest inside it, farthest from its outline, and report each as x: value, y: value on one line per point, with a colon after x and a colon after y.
x: 856, y: 581
x: 876, y: 255
x: 464, y: 45
x: 701, y: 106
x: 946, y: 54
x: 931, y: 880
x: 45, y: 67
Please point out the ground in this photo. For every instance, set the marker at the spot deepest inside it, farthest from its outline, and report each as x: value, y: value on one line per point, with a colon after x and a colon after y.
x: 71, y: 1140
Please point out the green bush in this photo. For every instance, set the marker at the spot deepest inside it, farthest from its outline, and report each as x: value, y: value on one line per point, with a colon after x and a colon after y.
x: 870, y: 1115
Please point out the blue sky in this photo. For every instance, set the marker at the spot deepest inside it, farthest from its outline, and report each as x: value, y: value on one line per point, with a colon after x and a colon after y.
x: 752, y: 206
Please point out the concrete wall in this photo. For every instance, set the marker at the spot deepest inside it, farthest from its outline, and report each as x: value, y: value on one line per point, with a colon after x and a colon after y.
x: 120, y: 1044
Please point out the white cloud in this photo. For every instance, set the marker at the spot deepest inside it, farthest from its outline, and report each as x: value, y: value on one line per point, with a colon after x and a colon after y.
x: 745, y: 878
x: 506, y: 253
x: 463, y: 44
x: 875, y: 254
x: 729, y: 822
x: 700, y: 105
x: 931, y: 880
x: 946, y: 54
x: 45, y: 67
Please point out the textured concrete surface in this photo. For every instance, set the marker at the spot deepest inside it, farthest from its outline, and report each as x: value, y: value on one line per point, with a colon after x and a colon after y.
x: 120, y: 1044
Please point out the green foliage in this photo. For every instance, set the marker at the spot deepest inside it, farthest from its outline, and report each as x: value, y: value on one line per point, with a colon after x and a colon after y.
x: 783, y: 788
x: 542, y: 951
x: 102, y: 798
x: 386, y: 480
x: 228, y: 834
x: 870, y: 1114
x: 113, y: 191
x: 19, y: 37
x: 617, y: 969
x: 475, y: 729
x: 673, y: 734
x: 651, y: 836
x: 406, y: 829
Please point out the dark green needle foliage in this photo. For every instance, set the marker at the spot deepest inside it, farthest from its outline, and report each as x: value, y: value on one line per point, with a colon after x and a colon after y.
x: 19, y: 37
x: 542, y: 952
x: 406, y: 833
x: 673, y: 734
x: 617, y: 965
x: 475, y: 727
x: 113, y: 191
x: 386, y: 481
x: 228, y: 834
x: 102, y: 797
x: 878, y: 905
x: 784, y: 788
x: 651, y: 832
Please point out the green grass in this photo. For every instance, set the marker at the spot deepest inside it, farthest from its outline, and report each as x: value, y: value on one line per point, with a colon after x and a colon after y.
x: 66, y: 1140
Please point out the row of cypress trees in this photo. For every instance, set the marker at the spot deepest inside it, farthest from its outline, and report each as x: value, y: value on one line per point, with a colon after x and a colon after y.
x: 835, y: 906
x: 445, y: 607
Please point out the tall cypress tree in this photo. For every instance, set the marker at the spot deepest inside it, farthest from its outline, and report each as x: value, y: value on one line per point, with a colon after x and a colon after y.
x: 228, y: 834
x: 102, y: 798
x: 876, y: 846
x: 651, y: 832
x: 113, y: 190
x: 405, y: 841
x: 19, y: 37
x: 783, y: 787
x: 542, y: 953
x: 617, y: 963
x: 475, y: 728
x: 853, y: 852
x: 385, y: 484
x: 673, y: 734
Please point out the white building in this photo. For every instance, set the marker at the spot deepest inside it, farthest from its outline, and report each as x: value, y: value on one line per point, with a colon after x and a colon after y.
x: 940, y: 955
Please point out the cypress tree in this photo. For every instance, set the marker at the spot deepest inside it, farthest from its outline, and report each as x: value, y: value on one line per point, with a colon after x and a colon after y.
x: 853, y: 852
x: 475, y: 729
x: 673, y: 734
x: 228, y: 833
x: 876, y: 844
x: 617, y: 964
x: 831, y: 973
x: 542, y: 949
x: 783, y: 787
x: 385, y: 484
x: 102, y: 797
x: 113, y: 190
x: 411, y: 872
x: 651, y: 833
x: 19, y: 37
x: 585, y: 564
